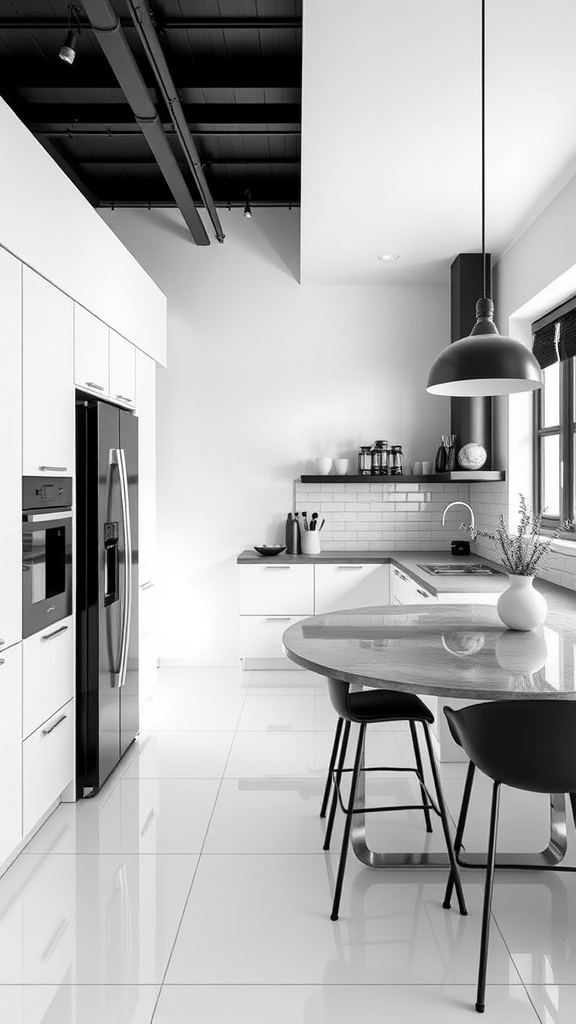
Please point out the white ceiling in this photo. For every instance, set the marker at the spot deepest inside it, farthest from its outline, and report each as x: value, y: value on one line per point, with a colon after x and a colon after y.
x: 391, y: 130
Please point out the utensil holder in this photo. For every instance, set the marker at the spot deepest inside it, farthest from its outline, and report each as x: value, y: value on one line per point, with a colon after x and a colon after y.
x: 310, y: 542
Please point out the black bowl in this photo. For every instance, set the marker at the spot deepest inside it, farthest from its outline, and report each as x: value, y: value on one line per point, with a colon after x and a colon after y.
x: 270, y: 549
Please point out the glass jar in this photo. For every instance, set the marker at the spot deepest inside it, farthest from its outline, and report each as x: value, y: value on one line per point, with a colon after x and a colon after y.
x: 396, y: 461
x: 365, y: 460
x: 379, y: 457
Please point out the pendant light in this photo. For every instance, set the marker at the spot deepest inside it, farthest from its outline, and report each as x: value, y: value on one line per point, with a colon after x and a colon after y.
x: 485, y: 363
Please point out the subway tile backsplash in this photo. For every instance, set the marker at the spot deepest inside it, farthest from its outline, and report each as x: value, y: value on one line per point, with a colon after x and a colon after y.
x: 384, y: 517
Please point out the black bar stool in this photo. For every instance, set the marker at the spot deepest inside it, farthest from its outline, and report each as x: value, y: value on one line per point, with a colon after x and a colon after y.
x: 526, y: 744
x: 374, y: 706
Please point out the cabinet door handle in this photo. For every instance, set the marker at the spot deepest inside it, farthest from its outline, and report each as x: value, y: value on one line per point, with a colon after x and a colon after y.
x: 277, y: 567
x: 57, y: 632
x: 147, y: 585
x: 350, y: 566
x: 422, y: 592
x: 46, y: 732
x: 124, y: 398
x: 53, y: 469
x: 2, y: 642
x: 2, y: 661
x: 278, y: 618
x: 92, y: 384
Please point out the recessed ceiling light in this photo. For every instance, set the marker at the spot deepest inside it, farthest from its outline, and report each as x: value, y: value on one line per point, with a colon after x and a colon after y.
x: 387, y: 257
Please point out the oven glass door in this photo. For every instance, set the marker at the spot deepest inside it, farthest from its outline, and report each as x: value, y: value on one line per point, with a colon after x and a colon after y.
x: 46, y: 569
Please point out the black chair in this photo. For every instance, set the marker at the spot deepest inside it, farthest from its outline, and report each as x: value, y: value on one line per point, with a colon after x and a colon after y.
x: 526, y: 744
x: 373, y: 706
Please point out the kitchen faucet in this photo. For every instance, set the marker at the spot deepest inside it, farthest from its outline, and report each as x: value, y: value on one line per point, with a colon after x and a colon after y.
x: 462, y: 526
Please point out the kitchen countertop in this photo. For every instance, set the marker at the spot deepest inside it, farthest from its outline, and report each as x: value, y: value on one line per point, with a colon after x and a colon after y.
x: 559, y: 599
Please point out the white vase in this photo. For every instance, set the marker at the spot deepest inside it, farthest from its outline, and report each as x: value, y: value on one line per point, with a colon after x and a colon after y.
x: 521, y: 607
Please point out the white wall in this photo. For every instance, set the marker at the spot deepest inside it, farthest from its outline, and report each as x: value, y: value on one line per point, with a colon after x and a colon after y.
x: 263, y: 375
x: 49, y: 225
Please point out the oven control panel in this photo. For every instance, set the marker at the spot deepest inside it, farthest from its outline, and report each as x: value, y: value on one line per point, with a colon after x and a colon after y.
x: 46, y: 492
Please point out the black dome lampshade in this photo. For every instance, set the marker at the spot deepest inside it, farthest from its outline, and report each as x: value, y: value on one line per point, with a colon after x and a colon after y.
x: 485, y: 363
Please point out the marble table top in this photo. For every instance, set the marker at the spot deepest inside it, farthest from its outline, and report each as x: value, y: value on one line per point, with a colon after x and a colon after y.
x: 459, y: 651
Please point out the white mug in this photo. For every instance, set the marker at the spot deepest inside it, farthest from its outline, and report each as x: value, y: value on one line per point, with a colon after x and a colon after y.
x: 427, y: 468
x: 310, y: 540
x: 323, y: 466
x: 417, y: 468
x: 340, y: 466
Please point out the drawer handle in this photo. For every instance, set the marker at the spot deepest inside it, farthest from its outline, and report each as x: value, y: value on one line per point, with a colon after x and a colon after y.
x: 350, y: 566
x: 148, y: 822
x: 55, y: 940
x: 2, y: 642
x: 278, y: 618
x: 46, y: 732
x: 91, y: 384
x: 277, y: 567
x: 2, y: 661
x: 422, y: 592
x: 147, y: 585
x: 123, y: 398
x: 57, y: 632
x: 53, y: 469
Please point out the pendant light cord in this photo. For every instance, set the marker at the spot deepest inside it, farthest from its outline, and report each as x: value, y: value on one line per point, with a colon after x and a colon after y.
x: 484, y: 273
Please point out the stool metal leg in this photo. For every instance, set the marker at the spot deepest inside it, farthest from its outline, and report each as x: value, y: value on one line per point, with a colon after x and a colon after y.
x: 348, y: 823
x: 333, y: 756
x: 460, y: 829
x: 489, y: 885
x: 444, y: 819
x: 420, y: 769
x: 333, y: 806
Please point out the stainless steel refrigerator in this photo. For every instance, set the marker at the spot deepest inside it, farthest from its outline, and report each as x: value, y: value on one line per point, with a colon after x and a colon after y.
x: 106, y: 589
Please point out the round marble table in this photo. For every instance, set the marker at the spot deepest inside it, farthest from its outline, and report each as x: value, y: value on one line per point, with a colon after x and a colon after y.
x: 460, y: 651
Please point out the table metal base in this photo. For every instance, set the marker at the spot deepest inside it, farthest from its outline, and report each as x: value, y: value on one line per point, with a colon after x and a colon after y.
x: 548, y: 859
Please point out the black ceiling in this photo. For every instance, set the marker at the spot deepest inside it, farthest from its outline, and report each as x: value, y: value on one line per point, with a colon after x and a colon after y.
x: 236, y: 65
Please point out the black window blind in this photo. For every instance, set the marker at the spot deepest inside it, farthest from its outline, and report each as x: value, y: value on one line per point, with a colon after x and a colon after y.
x: 555, y: 335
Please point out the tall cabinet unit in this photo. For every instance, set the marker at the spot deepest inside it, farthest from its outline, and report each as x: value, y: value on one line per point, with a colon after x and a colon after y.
x: 146, y: 412
x: 48, y: 376
x: 11, y: 448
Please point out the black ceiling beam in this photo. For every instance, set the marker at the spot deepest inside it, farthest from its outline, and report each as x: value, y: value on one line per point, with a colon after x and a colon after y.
x: 88, y: 73
x: 165, y: 24
x: 121, y: 59
x: 42, y: 115
x: 129, y: 132
x: 134, y: 161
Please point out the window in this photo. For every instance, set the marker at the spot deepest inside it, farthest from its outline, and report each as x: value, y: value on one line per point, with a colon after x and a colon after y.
x: 555, y: 416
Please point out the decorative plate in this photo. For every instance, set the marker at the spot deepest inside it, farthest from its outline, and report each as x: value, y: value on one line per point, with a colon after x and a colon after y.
x: 472, y: 456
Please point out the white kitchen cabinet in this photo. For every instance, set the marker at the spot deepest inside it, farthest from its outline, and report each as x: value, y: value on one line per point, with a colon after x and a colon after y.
x: 10, y: 749
x: 276, y: 589
x: 48, y: 379
x: 11, y: 449
x: 90, y: 352
x: 146, y: 413
x: 405, y: 590
x: 261, y: 635
x: 47, y: 764
x: 350, y: 585
x: 48, y: 680
x: 122, y: 370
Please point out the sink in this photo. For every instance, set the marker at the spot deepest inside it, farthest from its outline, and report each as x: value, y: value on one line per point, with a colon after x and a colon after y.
x: 467, y: 569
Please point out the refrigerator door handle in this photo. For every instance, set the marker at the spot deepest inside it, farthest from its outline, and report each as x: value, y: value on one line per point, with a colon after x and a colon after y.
x: 118, y: 458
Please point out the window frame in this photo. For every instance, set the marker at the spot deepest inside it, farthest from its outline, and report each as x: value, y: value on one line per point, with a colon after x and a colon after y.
x: 566, y: 432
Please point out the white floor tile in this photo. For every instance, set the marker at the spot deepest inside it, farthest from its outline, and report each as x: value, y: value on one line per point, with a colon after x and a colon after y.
x: 267, y: 816
x: 282, y: 713
x: 272, y: 681
x: 141, y: 816
x: 189, y: 714
x: 77, y: 1004
x: 555, y: 1004
x: 392, y: 927
x: 198, y: 680
x: 267, y: 755
x: 340, y: 1004
x: 91, y: 919
x: 180, y: 755
x: 537, y: 918
x: 524, y: 817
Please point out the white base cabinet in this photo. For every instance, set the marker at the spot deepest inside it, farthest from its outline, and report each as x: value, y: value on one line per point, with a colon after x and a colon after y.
x: 261, y: 635
x: 48, y: 673
x: 10, y: 749
x: 350, y: 585
x: 47, y: 764
x: 404, y: 590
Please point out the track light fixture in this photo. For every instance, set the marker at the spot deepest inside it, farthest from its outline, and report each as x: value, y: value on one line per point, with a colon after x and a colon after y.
x: 68, y: 49
x: 247, y: 208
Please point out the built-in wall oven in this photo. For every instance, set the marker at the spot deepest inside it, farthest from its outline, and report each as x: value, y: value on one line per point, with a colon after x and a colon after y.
x: 46, y: 551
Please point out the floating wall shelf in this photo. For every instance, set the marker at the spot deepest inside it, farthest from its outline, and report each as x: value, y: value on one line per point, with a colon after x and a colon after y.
x: 456, y: 477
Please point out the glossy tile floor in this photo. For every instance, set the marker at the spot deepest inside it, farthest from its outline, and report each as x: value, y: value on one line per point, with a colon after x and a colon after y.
x: 194, y: 889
